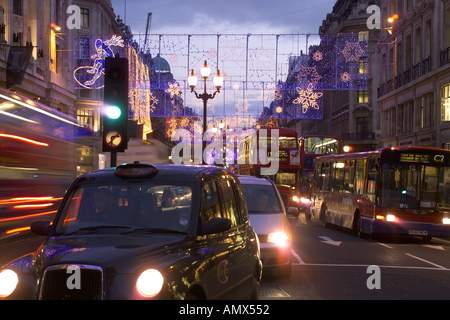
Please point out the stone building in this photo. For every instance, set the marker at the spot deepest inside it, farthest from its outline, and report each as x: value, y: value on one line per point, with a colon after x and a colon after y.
x: 414, y: 95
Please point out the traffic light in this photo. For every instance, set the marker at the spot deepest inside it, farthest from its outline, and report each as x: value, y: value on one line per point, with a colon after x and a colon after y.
x: 114, y: 115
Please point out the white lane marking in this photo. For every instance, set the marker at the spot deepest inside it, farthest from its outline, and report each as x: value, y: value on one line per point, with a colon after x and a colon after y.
x: 328, y: 240
x: 383, y: 244
x: 296, y: 256
x: 433, y: 264
x: 433, y: 247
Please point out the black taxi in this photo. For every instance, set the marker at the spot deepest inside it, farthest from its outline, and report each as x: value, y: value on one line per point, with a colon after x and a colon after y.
x: 142, y: 231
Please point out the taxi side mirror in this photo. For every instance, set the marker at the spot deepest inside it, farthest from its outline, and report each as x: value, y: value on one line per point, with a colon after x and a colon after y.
x: 217, y: 225
x: 41, y: 227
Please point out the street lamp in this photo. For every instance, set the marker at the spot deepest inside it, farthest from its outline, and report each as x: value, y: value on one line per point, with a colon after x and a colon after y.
x: 218, y: 82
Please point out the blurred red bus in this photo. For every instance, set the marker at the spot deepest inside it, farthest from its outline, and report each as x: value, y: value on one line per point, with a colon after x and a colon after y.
x: 288, y: 159
x: 402, y: 190
x: 38, y: 148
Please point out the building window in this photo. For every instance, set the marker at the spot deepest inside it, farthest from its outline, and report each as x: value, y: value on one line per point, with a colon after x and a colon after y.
x: 362, y: 66
x: 363, y: 36
x: 362, y: 124
x: 17, y: 7
x: 363, y: 96
x: 84, y: 17
x: 445, y: 103
x: 85, y: 116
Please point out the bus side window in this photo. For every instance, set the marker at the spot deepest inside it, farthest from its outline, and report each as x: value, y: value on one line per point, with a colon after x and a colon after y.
x: 338, y: 175
x: 326, y: 176
x: 372, y: 179
x: 360, y: 176
x: 349, y: 172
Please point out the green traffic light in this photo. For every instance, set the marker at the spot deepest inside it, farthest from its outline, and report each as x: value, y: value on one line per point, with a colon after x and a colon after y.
x: 113, y: 112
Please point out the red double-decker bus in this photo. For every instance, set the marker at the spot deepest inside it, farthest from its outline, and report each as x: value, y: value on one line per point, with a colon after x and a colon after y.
x: 311, y: 147
x: 288, y: 158
x: 402, y: 190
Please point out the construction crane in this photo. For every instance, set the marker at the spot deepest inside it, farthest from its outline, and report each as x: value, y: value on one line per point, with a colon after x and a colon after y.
x: 147, y: 29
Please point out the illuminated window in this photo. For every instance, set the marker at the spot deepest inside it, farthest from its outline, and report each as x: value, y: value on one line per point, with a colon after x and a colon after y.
x: 84, y: 17
x: 445, y: 103
x: 363, y: 96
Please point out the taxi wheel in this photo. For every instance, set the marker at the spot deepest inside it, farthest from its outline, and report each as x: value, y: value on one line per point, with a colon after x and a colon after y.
x: 255, y: 290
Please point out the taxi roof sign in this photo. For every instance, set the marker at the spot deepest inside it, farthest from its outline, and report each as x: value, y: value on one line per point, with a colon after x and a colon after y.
x: 135, y: 170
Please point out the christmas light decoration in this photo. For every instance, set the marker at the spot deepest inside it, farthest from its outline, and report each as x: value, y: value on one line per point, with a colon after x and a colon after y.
x: 261, y: 72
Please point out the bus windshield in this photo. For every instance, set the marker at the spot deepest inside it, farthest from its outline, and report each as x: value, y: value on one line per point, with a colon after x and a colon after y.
x: 415, y: 186
x: 284, y: 142
x: 321, y: 145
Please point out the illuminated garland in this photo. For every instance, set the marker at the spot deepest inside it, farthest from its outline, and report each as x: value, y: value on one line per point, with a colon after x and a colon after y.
x: 254, y: 85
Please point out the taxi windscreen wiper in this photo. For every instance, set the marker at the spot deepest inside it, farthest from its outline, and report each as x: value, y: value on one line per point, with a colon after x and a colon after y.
x: 157, y: 230
x: 95, y: 228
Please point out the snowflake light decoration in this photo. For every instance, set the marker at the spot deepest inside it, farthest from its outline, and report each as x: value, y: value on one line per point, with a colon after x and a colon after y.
x: 242, y: 105
x: 307, y: 98
x: 345, y: 77
x: 173, y: 89
x: 352, y: 51
x: 308, y: 76
x: 317, y: 56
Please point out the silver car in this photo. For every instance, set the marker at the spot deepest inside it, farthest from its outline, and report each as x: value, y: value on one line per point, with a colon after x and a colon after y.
x: 268, y: 218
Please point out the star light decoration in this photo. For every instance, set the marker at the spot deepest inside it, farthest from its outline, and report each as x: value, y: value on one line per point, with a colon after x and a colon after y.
x: 308, y: 98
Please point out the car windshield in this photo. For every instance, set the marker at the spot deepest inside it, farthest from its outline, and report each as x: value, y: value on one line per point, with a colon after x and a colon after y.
x: 126, y: 207
x: 261, y: 199
x: 415, y: 186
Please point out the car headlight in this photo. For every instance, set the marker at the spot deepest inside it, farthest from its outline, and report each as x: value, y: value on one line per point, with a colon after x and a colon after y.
x: 305, y: 200
x: 8, y: 282
x: 279, y: 238
x: 295, y: 198
x: 150, y: 283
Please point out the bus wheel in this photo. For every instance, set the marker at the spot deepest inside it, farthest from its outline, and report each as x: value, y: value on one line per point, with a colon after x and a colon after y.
x: 357, y: 225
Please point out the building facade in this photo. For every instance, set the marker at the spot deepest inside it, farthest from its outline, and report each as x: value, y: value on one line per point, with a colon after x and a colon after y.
x: 353, y: 115
x: 414, y: 95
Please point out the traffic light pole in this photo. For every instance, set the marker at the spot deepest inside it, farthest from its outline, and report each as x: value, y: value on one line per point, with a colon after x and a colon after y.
x: 113, y: 159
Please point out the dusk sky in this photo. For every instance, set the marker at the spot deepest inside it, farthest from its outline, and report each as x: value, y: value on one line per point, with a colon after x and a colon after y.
x: 224, y: 17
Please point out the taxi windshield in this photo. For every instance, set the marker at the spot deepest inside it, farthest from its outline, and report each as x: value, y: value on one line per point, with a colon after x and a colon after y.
x: 125, y: 207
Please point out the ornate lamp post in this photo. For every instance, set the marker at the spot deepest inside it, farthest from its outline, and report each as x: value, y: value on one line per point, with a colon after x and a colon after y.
x: 218, y: 82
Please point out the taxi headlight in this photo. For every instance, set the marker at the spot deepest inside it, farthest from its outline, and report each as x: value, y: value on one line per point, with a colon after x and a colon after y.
x: 8, y: 282
x: 150, y: 283
x: 279, y: 238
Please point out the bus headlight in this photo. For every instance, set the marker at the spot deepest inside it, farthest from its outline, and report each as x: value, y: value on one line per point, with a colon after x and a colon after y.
x: 149, y: 283
x: 390, y: 217
x: 8, y: 282
x: 279, y: 238
x: 446, y: 221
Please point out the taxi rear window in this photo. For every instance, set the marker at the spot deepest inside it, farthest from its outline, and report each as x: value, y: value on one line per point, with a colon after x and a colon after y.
x: 164, y: 206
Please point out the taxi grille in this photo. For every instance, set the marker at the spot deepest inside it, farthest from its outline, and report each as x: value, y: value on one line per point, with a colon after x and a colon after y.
x: 55, y: 283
